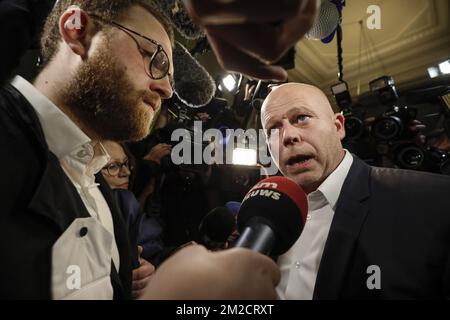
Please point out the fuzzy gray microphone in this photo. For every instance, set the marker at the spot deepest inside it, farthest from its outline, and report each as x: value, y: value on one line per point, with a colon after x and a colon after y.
x: 193, y: 84
x: 174, y: 10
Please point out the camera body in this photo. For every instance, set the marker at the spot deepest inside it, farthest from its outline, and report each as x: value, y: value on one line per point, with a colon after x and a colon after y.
x: 393, y: 124
x: 413, y: 157
x: 355, y: 127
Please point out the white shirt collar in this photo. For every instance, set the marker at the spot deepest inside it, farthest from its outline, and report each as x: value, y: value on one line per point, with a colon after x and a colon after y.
x: 61, y: 133
x: 330, y: 189
x: 64, y: 138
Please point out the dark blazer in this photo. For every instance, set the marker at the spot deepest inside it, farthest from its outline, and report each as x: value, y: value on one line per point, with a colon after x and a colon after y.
x: 144, y: 229
x: 38, y: 202
x: 397, y: 220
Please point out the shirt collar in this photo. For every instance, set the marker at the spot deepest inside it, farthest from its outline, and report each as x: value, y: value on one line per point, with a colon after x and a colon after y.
x: 330, y: 189
x: 84, y: 162
x: 80, y: 156
x: 62, y: 135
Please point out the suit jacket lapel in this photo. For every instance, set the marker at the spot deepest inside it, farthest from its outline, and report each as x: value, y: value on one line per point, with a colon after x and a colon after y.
x: 55, y: 197
x: 351, y: 211
x: 61, y: 204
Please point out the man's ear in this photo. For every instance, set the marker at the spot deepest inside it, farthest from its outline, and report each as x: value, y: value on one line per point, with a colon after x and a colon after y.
x: 76, y: 29
x: 339, y: 122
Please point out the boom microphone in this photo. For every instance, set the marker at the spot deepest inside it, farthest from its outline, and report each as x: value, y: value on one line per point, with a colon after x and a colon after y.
x: 176, y: 12
x: 272, y: 216
x: 193, y: 84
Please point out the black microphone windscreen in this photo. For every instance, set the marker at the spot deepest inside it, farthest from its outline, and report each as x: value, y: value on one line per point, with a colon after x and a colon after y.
x: 175, y: 11
x: 217, y: 225
x: 194, y: 86
x: 282, y: 204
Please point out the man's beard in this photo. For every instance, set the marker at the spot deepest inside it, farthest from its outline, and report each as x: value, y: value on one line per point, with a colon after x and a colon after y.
x: 104, y: 101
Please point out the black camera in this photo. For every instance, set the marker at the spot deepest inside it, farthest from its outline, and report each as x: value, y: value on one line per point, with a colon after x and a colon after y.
x: 413, y: 157
x: 342, y: 95
x: 354, y: 120
x: 385, y: 88
x: 393, y: 124
x: 355, y: 127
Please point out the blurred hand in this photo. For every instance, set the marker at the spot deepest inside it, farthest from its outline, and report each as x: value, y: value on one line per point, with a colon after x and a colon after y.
x: 416, y: 128
x: 141, y: 276
x: 158, y: 152
x: 249, y: 36
x: 249, y: 91
x: 194, y: 273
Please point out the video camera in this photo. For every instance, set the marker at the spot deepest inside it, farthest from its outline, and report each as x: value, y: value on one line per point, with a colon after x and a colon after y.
x: 355, y: 128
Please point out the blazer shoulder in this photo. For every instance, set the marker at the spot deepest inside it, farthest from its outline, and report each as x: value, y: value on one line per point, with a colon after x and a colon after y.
x: 417, y: 189
x: 408, y: 178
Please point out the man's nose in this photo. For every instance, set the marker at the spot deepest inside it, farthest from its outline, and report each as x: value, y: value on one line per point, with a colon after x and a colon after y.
x: 291, y: 134
x: 163, y: 87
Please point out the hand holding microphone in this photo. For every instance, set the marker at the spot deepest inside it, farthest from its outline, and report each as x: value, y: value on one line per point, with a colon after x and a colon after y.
x: 271, y: 219
x: 194, y: 273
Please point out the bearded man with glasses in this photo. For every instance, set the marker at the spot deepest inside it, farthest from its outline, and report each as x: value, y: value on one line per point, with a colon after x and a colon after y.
x: 107, y: 65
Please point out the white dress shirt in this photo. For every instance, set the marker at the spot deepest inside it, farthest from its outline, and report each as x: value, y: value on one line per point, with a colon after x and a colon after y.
x: 299, y: 266
x: 79, y: 157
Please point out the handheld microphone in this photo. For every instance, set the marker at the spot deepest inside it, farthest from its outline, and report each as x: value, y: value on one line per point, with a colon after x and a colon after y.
x: 272, y: 216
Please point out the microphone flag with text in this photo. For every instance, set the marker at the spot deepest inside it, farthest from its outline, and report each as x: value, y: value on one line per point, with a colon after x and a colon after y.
x: 272, y: 216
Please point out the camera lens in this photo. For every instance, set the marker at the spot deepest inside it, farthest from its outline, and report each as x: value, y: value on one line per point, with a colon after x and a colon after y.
x: 410, y: 157
x: 354, y: 127
x: 387, y: 128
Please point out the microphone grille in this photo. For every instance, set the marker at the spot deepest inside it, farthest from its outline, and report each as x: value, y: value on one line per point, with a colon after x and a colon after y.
x: 326, y: 21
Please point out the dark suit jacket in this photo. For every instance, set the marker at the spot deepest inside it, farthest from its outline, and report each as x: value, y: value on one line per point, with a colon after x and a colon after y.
x: 144, y: 229
x: 397, y: 220
x: 38, y: 202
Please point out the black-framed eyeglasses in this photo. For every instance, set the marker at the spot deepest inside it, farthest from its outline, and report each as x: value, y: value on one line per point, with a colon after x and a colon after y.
x: 156, y: 63
x: 113, y: 169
